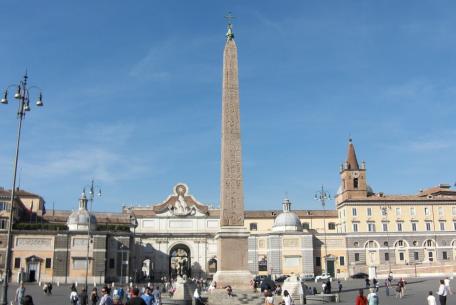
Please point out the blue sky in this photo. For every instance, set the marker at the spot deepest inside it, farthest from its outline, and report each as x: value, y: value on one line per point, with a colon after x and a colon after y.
x: 133, y: 96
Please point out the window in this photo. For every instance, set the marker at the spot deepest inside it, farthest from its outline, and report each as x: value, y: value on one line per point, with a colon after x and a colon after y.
x: 440, y: 211
x: 412, y: 211
x: 356, y: 244
x: 79, y: 263
x: 442, y: 226
x: 48, y: 262
x: 398, y: 211
x: 111, y: 263
x: 17, y: 262
x: 428, y: 226
x: 356, y: 257
x: 253, y: 226
x: 318, y: 261
x: 369, y: 211
x: 431, y: 256
x: 399, y: 227
x: 3, y: 205
x: 385, y: 244
x: 427, y: 212
x: 385, y: 227
x: 3, y: 222
x: 414, y: 226
x: 444, y: 255
x: 384, y: 211
x: 331, y: 226
x: 416, y: 256
x: 400, y: 243
x: 371, y: 226
x: 355, y: 227
x: 355, y: 183
x: 429, y: 243
x: 401, y: 256
x: 341, y: 260
x: 305, y: 225
x: 415, y: 243
x: 354, y: 212
x: 387, y: 256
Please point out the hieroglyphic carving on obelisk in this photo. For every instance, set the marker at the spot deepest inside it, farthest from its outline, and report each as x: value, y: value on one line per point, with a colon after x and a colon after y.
x: 231, y: 183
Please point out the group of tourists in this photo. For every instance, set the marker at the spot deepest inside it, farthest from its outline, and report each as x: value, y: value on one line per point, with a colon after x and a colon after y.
x: 117, y: 296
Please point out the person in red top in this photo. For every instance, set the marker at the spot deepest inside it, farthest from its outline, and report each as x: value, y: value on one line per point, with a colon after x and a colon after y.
x: 361, y: 299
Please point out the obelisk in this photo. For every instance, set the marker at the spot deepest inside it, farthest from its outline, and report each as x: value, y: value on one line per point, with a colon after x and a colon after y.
x: 232, y: 238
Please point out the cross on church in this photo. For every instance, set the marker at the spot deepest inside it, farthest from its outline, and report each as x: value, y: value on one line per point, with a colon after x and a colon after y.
x: 229, y: 17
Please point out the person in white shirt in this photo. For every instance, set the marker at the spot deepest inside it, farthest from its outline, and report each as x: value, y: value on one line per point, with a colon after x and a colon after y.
x: 447, y: 285
x: 287, y: 300
x: 269, y: 300
x: 431, y: 299
x: 443, y: 292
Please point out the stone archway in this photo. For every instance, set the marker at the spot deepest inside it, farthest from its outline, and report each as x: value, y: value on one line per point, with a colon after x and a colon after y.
x: 179, y: 261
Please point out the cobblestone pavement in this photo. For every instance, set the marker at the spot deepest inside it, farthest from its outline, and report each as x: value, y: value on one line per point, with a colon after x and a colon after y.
x: 416, y: 292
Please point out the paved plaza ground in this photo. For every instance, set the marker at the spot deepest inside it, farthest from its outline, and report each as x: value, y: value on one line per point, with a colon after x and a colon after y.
x: 416, y: 293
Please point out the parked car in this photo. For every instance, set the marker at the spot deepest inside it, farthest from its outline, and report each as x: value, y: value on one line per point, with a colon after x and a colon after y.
x: 360, y: 275
x: 323, y: 276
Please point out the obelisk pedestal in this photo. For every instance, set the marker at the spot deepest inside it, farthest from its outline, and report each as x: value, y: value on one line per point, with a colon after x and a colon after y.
x: 232, y: 239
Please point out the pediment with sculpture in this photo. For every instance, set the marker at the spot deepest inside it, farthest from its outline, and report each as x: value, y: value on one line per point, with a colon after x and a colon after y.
x: 181, y: 203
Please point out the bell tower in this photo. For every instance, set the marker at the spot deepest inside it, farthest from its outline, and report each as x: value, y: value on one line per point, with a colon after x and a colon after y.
x: 353, y: 184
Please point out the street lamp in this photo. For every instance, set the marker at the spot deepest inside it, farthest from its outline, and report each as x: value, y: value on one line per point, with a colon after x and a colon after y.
x: 92, y: 189
x: 134, y: 225
x: 322, y: 196
x: 385, y: 210
x: 22, y: 95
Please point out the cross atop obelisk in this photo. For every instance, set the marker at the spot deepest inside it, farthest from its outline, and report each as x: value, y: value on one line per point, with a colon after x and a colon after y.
x: 232, y: 245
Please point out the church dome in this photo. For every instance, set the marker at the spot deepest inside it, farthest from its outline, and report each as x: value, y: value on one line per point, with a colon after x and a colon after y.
x: 287, y: 220
x: 80, y: 219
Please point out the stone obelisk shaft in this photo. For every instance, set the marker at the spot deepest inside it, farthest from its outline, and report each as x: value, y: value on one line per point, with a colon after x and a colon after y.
x: 232, y: 238
x: 231, y: 188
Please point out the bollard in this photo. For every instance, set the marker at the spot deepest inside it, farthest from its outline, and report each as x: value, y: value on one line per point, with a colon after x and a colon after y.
x: 131, y: 284
x: 148, y: 284
x: 39, y: 284
x: 76, y: 284
x: 58, y: 283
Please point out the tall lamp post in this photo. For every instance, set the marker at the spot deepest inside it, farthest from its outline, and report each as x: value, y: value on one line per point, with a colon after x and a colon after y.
x: 22, y: 95
x: 385, y: 212
x: 92, y: 189
x: 322, y: 196
x: 134, y: 225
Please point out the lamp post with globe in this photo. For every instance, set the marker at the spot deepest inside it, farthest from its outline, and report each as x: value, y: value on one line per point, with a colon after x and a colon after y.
x: 322, y: 195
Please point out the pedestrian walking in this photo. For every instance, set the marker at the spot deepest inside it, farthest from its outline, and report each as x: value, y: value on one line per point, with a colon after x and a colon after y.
x: 287, y: 299
x: 74, y: 296
x: 443, y: 292
x: 387, y: 287
x: 135, y: 299
x: 20, y: 294
x: 431, y: 299
x: 94, y: 296
x: 372, y: 297
x: 269, y: 300
x: 157, y: 296
x: 105, y: 297
x: 367, y: 282
x: 360, y: 298
x: 83, y: 297
x: 447, y: 285
x: 197, y: 297
x: 339, y: 286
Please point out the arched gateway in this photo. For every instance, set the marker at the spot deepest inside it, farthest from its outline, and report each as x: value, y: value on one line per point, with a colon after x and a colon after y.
x: 179, y: 261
